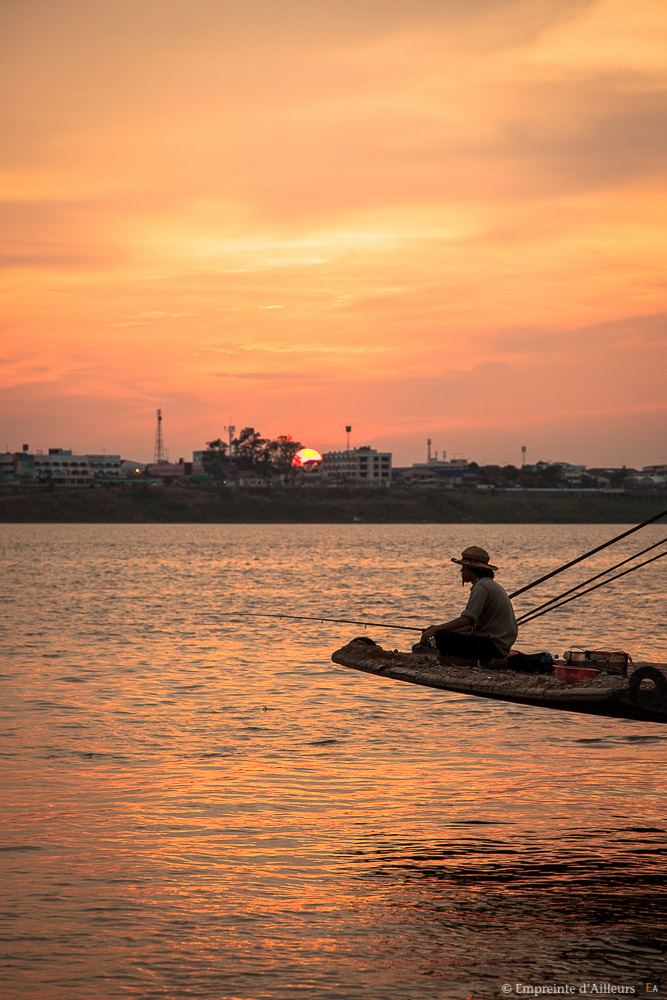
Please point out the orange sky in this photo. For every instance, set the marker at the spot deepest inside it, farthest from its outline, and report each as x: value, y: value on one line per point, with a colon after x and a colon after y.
x: 427, y: 219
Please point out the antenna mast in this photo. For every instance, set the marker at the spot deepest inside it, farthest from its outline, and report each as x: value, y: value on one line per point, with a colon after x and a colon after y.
x: 159, y: 454
x: 231, y: 430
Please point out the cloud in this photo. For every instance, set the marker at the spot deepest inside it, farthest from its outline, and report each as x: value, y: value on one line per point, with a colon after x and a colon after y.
x: 627, y: 333
x: 147, y: 316
x: 298, y: 348
x: 451, y: 214
x: 277, y: 377
x: 49, y: 261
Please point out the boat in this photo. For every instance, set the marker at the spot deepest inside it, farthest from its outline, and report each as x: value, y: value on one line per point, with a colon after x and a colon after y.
x: 637, y: 691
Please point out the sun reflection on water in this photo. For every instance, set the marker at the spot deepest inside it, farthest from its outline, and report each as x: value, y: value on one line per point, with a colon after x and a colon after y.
x: 200, y: 804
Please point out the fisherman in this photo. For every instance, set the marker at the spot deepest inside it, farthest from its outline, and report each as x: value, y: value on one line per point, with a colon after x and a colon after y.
x: 486, y: 629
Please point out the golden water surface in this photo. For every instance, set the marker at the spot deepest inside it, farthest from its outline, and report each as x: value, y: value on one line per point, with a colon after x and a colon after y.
x: 201, y: 805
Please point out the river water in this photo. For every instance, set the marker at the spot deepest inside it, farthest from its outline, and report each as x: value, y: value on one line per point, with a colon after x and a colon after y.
x: 201, y: 805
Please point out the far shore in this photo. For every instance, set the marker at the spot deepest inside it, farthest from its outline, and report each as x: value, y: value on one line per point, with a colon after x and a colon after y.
x: 196, y: 504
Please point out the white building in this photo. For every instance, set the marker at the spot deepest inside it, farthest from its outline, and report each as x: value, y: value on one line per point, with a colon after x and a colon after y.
x: 356, y: 467
x: 8, y: 469
x: 60, y: 467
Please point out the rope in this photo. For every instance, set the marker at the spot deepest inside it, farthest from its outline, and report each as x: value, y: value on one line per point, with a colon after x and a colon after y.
x: 529, y: 614
x: 555, y: 572
x: 531, y: 617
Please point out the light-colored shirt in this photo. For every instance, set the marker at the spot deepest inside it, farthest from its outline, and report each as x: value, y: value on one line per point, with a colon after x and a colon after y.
x: 492, y: 614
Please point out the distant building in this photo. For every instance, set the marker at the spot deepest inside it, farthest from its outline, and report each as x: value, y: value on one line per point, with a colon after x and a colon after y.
x: 652, y: 477
x: 454, y: 473
x: 570, y: 475
x: 655, y: 475
x: 10, y: 470
x: 612, y: 478
x: 175, y: 470
x: 355, y: 467
x: 60, y: 467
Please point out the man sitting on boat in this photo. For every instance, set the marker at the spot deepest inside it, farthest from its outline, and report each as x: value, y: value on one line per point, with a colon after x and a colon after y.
x: 486, y: 629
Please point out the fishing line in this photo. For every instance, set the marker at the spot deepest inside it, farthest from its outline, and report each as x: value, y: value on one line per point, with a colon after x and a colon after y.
x: 537, y: 612
x: 321, y: 618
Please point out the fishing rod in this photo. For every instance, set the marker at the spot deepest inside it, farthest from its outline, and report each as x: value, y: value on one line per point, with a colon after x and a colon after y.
x: 553, y: 600
x: 320, y: 618
x: 573, y: 562
x: 531, y: 617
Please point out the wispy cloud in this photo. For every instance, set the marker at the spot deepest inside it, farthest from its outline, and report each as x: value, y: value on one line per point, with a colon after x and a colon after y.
x: 296, y: 348
x: 147, y: 316
x: 287, y: 378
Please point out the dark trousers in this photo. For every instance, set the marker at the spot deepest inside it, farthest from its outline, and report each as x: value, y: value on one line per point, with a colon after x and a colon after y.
x: 467, y: 645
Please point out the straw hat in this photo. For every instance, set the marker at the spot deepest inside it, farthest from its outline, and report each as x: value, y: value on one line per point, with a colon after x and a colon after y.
x: 475, y: 558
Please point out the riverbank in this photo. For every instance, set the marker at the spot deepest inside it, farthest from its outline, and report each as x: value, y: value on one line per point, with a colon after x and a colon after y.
x: 177, y: 503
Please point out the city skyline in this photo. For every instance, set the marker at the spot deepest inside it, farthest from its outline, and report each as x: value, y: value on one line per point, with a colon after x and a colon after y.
x: 434, y: 453
x: 427, y: 220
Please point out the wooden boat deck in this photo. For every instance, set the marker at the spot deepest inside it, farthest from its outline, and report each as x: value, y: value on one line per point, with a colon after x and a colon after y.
x: 606, y: 694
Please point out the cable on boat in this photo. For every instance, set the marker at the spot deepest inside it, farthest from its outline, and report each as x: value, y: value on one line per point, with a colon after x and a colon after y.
x: 531, y: 617
x: 573, y: 562
x: 553, y: 600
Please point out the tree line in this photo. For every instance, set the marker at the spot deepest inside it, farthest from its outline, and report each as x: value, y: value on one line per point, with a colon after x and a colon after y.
x: 251, y: 452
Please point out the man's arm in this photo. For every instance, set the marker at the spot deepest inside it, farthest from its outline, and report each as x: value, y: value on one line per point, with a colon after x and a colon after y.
x: 460, y: 624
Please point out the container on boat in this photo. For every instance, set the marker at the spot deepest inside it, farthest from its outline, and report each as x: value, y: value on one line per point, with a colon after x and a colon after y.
x: 575, y: 675
x: 611, y: 661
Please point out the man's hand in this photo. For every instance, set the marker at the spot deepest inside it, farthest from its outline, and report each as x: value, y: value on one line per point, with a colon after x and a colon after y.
x: 427, y: 634
x: 460, y: 624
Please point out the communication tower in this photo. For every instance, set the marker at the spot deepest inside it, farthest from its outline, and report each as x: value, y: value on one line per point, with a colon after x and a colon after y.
x: 523, y: 455
x: 159, y: 455
x: 231, y: 431
x: 348, y: 431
